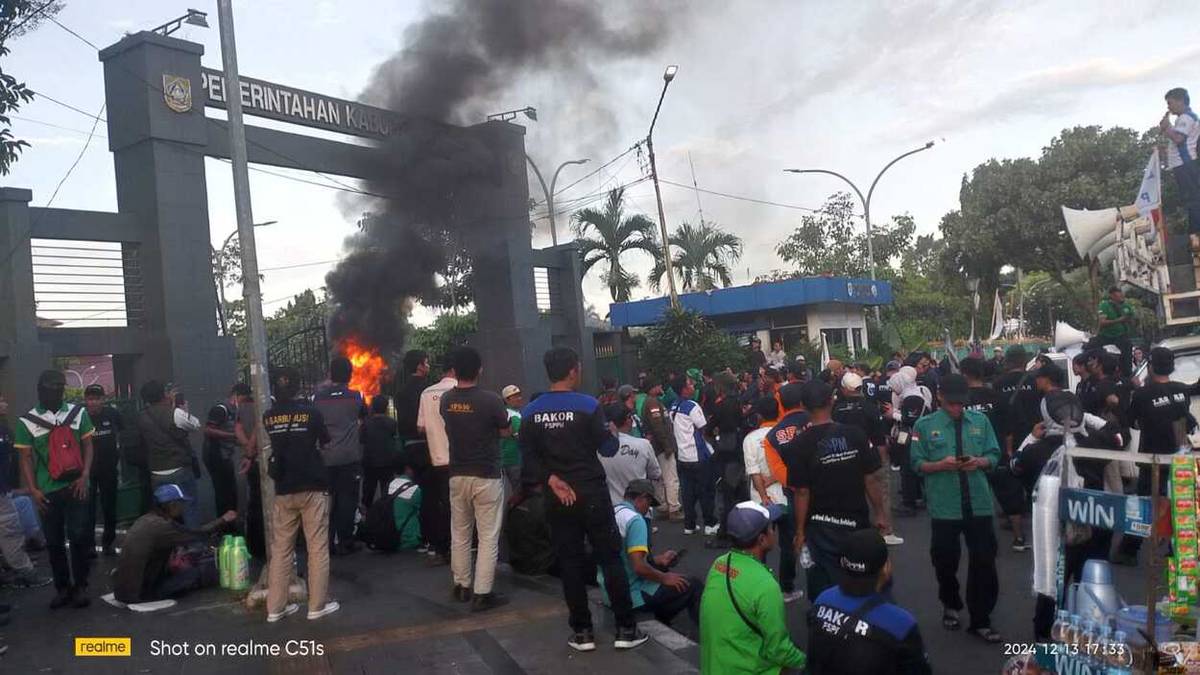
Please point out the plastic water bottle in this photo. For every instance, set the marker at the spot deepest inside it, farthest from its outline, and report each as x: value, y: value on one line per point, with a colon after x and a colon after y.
x: 239, y: 565
x: 806, y: 559
x: 1062, y: 621
x: 1120, y: 655
x: 223, y: 559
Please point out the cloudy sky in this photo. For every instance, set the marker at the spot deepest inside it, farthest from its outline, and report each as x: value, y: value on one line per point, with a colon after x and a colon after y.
x: 762, y: 86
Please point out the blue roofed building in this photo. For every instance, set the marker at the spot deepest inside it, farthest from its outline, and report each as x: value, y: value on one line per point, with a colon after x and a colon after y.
x: 789, y: 311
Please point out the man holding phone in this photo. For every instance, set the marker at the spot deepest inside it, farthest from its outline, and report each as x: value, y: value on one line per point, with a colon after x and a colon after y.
x: 652, y: 586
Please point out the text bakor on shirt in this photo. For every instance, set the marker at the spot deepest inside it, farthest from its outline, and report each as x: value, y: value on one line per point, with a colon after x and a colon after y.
x: 560, y: 434
x: 831, y: 461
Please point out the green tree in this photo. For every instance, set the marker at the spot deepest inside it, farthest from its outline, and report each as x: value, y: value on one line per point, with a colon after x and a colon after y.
x: 702, y: 257
x: 606, y: 235
x: 685, y: 339
x: 445, y: 333
x: 829, y: 241
x: 17, y: 17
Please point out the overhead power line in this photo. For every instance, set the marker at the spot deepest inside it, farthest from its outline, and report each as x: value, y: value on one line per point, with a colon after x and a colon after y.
x: 765, y: 202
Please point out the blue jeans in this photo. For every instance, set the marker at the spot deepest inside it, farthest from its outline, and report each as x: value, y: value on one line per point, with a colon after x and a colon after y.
x: 66, y: 519
x: 186, y: 480
x: 697, y: 484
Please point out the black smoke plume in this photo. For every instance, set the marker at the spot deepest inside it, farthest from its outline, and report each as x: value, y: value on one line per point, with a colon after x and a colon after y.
x: 455, y: 65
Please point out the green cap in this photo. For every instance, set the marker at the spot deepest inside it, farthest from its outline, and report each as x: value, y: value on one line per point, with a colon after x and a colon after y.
x: 1016, y: 352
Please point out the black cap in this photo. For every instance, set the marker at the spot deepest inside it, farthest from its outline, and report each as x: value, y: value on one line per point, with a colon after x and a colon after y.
x: 640, y: 487
x: 1162, y: 361
x: 863, y: 555
x: 953, y: 388
x: 1016, y: 353
x: 93, y: 390
x: 816, y: 395
x: 791, y: 395
x: 52, y: 378
x: 1053, y: 373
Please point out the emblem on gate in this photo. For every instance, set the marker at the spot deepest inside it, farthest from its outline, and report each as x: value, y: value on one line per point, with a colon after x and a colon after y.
x: 177, y: 92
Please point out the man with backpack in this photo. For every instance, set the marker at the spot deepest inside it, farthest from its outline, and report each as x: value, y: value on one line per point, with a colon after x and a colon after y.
x: 55, y: 442
x: 393, y: 522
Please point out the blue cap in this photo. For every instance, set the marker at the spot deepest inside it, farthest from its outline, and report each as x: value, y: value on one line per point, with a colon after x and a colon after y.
x: 747, y: 520
x: 170, y: 492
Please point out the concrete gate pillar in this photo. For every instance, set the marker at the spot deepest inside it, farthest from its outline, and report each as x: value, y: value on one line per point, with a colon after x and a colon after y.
x: 158, y: 134
x: 22, y: 356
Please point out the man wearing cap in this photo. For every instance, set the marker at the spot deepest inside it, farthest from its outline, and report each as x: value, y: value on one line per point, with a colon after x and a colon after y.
x: 853, y: 628
x: 626, y: 457
x: 652, y: 586
x: 107, y: 422
x: 953, y: 448
x: 657, y: 426
x: 142, y: 573
x: 743, y: 626
x: 767, y: 490
x: 510, y: 449
x: 834, y: 472
x: 61, y: 500
x: 627, y: 396
x: 852, y: 407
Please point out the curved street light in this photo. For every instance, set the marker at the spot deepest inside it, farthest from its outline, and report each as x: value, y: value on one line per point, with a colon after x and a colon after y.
x: 549, y: 192
x: 866, y: 201
x: 221, y: 282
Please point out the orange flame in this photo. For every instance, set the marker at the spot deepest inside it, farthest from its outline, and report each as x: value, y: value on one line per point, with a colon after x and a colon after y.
x: 369, y: 367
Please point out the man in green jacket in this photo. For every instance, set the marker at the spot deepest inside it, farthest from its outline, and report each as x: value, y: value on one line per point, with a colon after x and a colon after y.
x: 743, y: 628
x: 953, y: 449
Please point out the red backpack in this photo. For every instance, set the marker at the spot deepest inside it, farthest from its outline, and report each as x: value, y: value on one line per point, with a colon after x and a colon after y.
x: 64, y: 458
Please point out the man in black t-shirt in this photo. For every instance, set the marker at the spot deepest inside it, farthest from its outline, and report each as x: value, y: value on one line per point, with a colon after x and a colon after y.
x: 1161, y: 410
x: 831, y: 467
x: 561, y: 430
x: 221, y: 444
x: 295, y: 428
x: 105, y: 457
x: 1009, y: 490
x: 475, y: 420
x: 1020, y: 401
x: 408, y: 403
x: 854, y: 408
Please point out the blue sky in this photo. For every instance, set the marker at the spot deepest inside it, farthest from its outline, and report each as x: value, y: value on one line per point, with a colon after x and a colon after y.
x: 762, y: 86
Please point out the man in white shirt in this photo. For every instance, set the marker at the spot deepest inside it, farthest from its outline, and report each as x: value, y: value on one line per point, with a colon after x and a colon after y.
x: 766, y: 490
x: 697, y: 481
x: 1181, y: 155
x: 626, y: 457
x: 777, y: 357
x: 435, y: 483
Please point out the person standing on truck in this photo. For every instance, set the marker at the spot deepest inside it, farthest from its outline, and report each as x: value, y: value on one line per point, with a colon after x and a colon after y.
x: 1181, y: 156
x: 1116, y: 317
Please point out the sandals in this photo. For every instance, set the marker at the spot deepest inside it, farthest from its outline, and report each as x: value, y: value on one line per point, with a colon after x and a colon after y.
x: 987, y: 634
x: 950, y: 620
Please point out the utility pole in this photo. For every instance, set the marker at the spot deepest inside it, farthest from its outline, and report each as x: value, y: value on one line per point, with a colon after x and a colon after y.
x: 251, y: 292
x: 668, y: 75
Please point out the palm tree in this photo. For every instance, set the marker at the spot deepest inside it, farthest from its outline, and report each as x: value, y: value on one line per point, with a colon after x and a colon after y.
x: 702, y: 256
x: 605, y: 235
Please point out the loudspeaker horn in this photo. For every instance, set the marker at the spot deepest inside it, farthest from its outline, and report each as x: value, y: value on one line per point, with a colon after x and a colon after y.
x: 1092, y: 232
x: 1066, y: 335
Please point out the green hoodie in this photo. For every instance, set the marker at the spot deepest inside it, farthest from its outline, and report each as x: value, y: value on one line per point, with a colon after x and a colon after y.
x: 730, y: 646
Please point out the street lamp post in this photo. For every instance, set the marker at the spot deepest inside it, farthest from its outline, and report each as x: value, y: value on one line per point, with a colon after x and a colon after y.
x: 550, y: 191
x: 221, y: 282
x: 866, y: 201
x: 194, y: 17
x: 668, y: 75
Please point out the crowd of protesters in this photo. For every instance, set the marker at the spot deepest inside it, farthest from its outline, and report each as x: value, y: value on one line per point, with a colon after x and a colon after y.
x: 779, y: 457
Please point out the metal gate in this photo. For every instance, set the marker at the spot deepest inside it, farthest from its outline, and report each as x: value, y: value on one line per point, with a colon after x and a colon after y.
x: 307, y: 351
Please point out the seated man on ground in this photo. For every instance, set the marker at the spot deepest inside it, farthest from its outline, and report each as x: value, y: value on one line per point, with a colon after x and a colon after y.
x: 142, y: 573
x: 651, y: 584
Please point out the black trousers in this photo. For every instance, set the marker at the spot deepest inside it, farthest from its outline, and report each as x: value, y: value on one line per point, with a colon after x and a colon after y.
x: 66, y: 520
x: 1187, y: 177
x: 104, y: 492
x: 910, y: 482
x: 697, y: 484
x: 224, y: 480
x: 983, y: 584
x: 376, y: 477
x: 667, y: 603
x: 344, y: 485
x: 256, y: 537
x: 787, y: 549
x: 732, y: 485
x: 435, y: 508
x: 589, y: 521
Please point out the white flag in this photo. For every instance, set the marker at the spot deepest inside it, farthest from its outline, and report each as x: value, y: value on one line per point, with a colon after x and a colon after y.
x: 997, y: 318
x: 824, y: 351
x: 1149, y: 196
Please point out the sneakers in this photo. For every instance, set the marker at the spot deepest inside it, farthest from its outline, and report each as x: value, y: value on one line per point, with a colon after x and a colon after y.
x: 61, y: 599
x: 482, y: 602
x: 583, y: 641
x: 287, y: 611
x: 892, y: 540
x: 461, y: 593
x: 330, y: 607
x: 27, y: 579
x: 1019, y: 544
x: 791, y: 596
x: 628, y: 638
x: 711, y: 530
x: 689, y: 530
